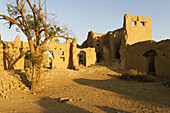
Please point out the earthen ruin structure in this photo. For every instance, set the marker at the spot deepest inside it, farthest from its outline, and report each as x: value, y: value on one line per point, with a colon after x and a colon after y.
x: 132, y: 47
x: 129, y: 47
x: 64, y: 55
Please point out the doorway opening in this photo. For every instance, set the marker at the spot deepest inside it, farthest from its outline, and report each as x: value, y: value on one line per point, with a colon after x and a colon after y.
x: 82, y: 58
x: 48, y: 57
x: 150, y: 56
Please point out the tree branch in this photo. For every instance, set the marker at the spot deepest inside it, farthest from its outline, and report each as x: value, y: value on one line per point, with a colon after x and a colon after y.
x: 7, y: 18
x: 33, y: 11
x: 21, y: 12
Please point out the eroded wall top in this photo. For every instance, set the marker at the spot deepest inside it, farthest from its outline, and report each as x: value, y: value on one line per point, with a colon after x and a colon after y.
x: 137, y: 28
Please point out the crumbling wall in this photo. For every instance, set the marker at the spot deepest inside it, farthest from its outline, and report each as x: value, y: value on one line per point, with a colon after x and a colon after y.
x: 64, y: 55
x: 84, y: 56
x: 97, y: 41
x: 138, y: 28
x: 91, y: 40
x: 60, y: 52
x: 106, y: 45
x: 1, y: 56
x: 90, y: 56
x: 13, y: 54
x: 74, y: 58
x: 136, y: 57
x: 115, y: 43
x: 162, y: 63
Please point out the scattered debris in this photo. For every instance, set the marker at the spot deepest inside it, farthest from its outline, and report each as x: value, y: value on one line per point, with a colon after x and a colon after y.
x: 63, y: 100
x: 167, y: 84
x: 33, y: 93
x: 10, y: 83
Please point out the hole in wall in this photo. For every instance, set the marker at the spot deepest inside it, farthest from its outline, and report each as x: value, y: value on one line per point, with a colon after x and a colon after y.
x: 62, y: 52
x: 4, y: 46
x: 62, y: 58
x: 48, y: 61
x: 82, y: 58
x: 142, y: 23
x: 133, y: 22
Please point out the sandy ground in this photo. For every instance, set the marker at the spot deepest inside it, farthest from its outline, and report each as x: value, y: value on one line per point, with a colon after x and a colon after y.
x: 96, y: 89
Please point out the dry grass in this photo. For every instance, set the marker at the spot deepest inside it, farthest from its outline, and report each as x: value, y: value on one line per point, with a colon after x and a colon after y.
x: 136, y: 76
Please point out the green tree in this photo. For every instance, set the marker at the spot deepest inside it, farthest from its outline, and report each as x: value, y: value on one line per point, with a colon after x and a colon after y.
x: 31, y: 18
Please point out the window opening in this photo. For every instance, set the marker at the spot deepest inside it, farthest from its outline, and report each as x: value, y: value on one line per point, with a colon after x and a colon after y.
x: 142, y: 23
x: 62, y: 53
x: 133, y: 22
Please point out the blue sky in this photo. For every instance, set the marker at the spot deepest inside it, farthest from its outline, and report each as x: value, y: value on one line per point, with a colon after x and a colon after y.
x: 102, y: 16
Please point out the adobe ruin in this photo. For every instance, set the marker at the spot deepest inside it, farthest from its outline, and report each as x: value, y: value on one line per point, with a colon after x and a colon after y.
x: 132, y: 47
x: 129, y: 47
x: 65, y: 55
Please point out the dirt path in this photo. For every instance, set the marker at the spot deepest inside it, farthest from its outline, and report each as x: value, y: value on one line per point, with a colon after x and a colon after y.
x: 94, y: 89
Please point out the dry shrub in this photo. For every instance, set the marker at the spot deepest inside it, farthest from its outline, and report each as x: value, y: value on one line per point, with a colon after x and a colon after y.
x: 136, y: 76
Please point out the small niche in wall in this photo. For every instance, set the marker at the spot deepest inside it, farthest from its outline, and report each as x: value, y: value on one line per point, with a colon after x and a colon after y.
x: 133, y: 22
x: 164, y: 55
x: 142, y: 23
x: 62, y: 58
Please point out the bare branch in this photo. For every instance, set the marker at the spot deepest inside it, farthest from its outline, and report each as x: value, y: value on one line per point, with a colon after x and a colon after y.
x: 13, y: 21
x: 21, y: 12
x: 33, y: 11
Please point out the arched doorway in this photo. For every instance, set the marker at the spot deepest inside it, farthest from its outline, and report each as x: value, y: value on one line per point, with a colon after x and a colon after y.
x: 82, y: 58
x: 47, y: 59
x: 150, y: 57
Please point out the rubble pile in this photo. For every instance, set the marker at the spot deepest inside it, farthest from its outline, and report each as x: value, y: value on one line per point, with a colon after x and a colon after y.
x: 9, y: 83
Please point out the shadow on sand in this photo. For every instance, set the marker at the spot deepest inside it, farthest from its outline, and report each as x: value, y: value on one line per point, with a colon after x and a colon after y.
x: 52, y: 105
x: 130, y: 89
x: 23, y: 78
x: 110, y: 110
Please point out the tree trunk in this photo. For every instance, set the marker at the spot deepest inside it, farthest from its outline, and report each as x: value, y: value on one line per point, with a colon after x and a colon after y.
x: 36, y: 77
